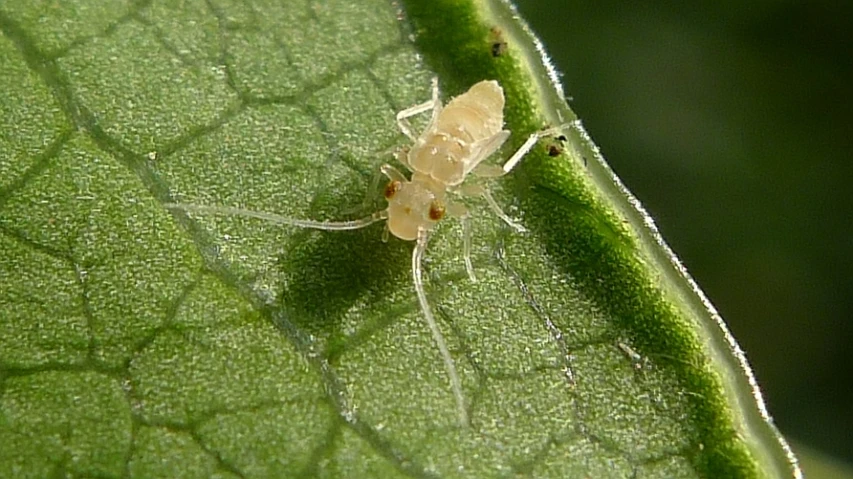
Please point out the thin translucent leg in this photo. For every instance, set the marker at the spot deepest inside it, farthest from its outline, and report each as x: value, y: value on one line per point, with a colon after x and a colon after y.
x: 385, y: 170
x: 480, y: 190
x: 402, y: 155
x: 466, y: 247
x: 392, y: 173
x: 278, y: 219
x: 456, y: 385
x: 528, y: 144
x: 435, y: 100
x: 433, y: 104
x: 458, y: 210
x: 369, y: 195
x: 488, y: 170
x: 490, y: 200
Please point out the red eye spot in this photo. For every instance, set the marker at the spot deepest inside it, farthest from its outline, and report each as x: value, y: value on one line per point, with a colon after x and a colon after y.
x: 436, y: 211
x: 392, y: 188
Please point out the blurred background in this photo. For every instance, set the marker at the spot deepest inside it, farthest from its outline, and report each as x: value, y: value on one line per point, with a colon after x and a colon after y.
x: 732, y: 121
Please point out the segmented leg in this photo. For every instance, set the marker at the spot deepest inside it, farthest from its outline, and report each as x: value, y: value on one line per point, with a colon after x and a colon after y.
x: 392, y: 173
x: 528, y: 144
x: 490, y: 200
x: 467, y: 232
x: 480, y: 190
x: 488, y: 170
x: 385, y: 170
x: 369, y: 194
x: 460, y: 211
x: 433, y: 104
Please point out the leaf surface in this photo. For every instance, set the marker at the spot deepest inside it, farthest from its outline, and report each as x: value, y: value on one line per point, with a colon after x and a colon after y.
x: 138, y: 342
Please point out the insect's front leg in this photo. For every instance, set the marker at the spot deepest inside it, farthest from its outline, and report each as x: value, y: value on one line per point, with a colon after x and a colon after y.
x: 386, y: 171
x: 392, y: 173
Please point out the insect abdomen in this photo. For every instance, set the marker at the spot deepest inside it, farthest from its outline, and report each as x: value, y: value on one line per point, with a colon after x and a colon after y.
x: 475, y: 115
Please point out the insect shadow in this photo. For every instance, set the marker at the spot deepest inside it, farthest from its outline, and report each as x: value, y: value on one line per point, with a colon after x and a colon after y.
x: 323, y: 276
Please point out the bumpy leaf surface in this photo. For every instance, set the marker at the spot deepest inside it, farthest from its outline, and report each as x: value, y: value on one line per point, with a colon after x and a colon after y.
x: 136, y: 341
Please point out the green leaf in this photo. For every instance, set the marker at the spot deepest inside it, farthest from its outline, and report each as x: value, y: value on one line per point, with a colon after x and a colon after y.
x: 135, y: 342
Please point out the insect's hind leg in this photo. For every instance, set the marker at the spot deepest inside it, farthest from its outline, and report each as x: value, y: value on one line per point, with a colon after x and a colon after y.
x: 488, y: 170
x: 449, y: 365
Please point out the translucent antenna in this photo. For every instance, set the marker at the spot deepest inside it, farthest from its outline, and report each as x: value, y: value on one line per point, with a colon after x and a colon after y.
x: 417, y: 256
x: 278, y: 219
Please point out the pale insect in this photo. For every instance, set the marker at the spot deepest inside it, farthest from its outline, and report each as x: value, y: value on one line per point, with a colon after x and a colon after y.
x: 459, y: 136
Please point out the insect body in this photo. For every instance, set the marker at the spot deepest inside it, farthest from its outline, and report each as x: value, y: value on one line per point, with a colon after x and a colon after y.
x: 459, y: 136
x: 414, y: 205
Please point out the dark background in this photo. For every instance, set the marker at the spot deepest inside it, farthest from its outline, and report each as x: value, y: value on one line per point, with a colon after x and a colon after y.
x: 732, y: 121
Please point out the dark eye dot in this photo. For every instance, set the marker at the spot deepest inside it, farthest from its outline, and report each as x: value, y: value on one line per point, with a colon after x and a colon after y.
x: 392, y: 188
x: 436, y: 211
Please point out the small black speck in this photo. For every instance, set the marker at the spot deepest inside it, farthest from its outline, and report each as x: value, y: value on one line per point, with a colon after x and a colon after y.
x: 554, y: 150
x: 498, y: 49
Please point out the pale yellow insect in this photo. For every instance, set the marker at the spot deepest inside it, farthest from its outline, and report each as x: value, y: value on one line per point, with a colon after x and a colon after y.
x: 459, y: 136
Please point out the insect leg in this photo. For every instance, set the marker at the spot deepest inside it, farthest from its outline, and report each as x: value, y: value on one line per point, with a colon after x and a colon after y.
x: 369, y: 195
x: 402, y: 156
x: 527, y: 145
x: 480, y: 190
x: 433, y: 104
x: 490, y: 200
x: 466, y: 247
x: 456, y: 385
x: 461, y: 211
x: 392, y: 173
x: 488, y: 170
x: 278, y: 219
x: 385, y: 170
